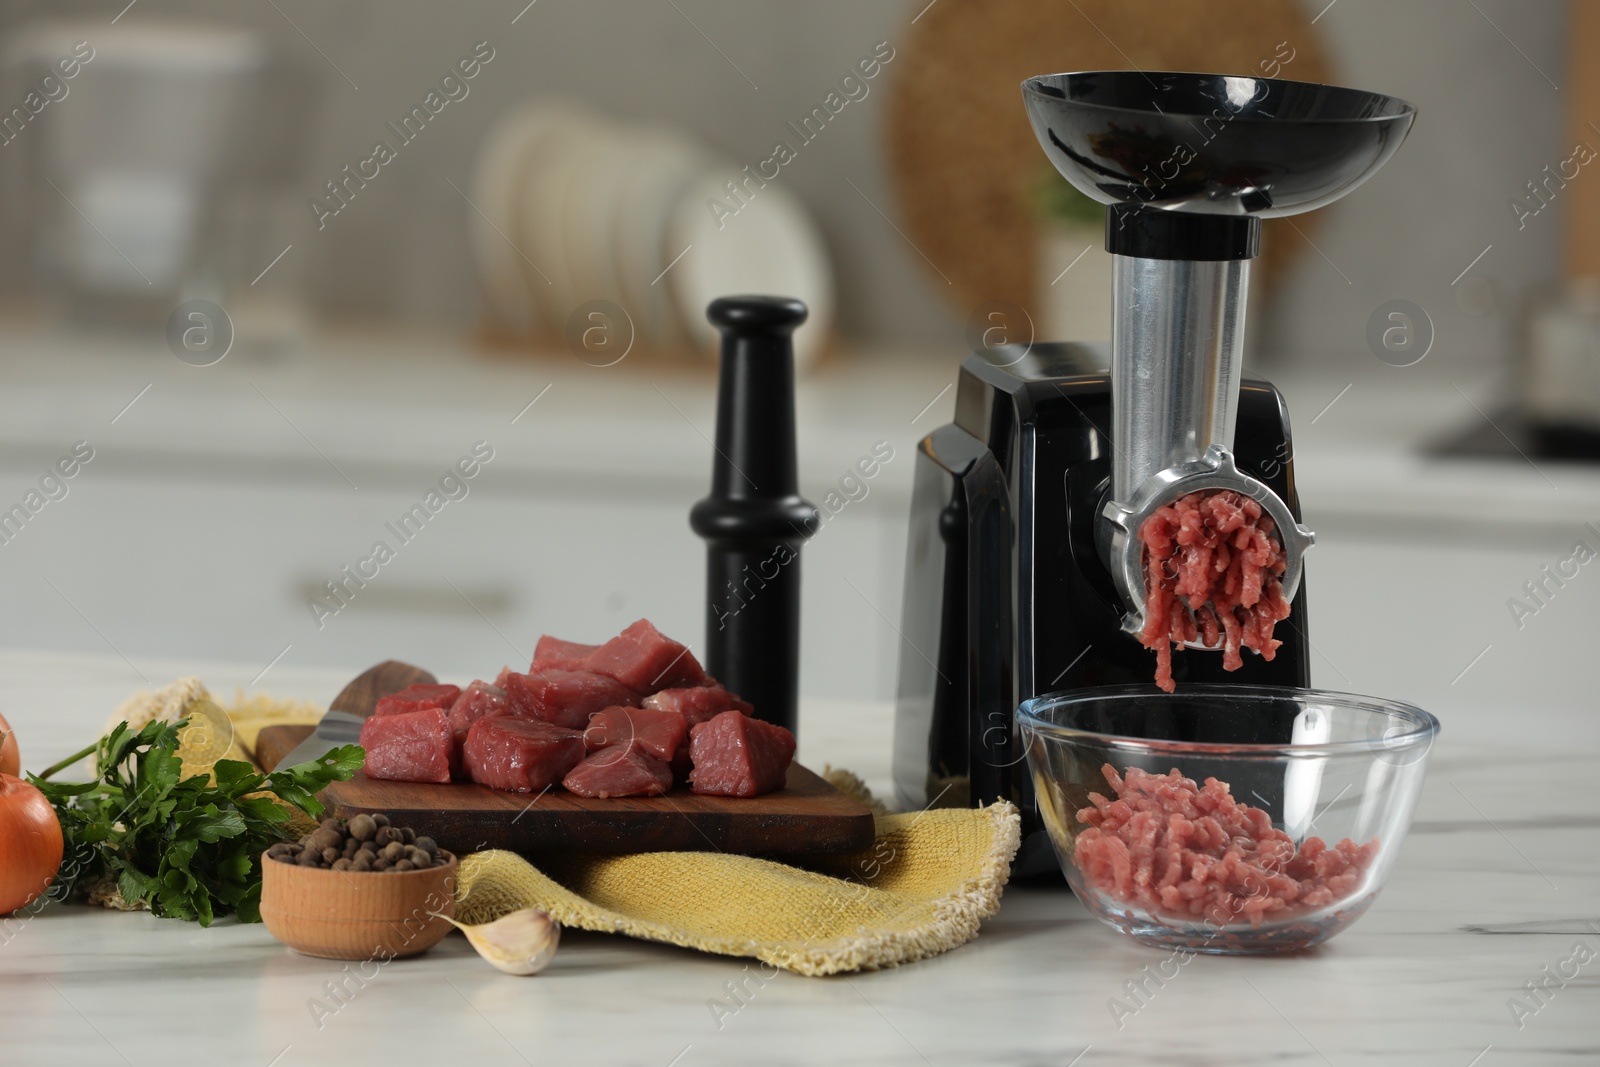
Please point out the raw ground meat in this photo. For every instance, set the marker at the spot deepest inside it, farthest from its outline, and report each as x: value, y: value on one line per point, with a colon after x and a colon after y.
x: 1212, y: 569
x: 520, y: 755
x: 620, y: 771
x: 697, y: 704
x: 1175, y: 849
x: 476, y: 701
x: 566, y: 698
x: 737, y: 756
x: 414, y: 746
x: 658, y: 733
x: 552, y: 653
x: 416, y: 698
x: 646, y: 660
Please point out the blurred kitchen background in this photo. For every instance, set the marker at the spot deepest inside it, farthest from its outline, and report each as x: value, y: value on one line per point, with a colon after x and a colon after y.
x: 277, y: 266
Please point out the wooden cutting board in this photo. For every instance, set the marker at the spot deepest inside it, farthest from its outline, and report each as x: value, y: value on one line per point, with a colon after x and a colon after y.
x: 806, y: 816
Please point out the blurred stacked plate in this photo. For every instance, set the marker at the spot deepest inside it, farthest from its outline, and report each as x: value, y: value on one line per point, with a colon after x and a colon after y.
x: 495, y: 224
x: 769, y: 246
x: 572, y: 207
x: 667, y: 164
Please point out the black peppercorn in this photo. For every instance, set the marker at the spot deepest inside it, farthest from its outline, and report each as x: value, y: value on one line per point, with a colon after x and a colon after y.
x: 365, y: 843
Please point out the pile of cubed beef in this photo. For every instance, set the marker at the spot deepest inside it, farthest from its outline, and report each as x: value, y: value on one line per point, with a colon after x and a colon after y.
x: 632, y: 717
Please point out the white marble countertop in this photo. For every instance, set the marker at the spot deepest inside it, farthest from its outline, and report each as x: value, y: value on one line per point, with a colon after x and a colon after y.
x: 1473, y: 910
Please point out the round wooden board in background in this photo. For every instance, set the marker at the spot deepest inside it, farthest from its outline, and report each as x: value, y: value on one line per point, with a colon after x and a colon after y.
x: 963, y: 158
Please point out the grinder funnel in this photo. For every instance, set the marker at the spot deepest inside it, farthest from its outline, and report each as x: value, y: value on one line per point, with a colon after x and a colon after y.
x: 1208, y: 144
x: 1187, y: 164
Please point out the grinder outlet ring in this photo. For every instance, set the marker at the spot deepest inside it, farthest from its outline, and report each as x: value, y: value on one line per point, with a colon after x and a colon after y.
x: 1118, y: 532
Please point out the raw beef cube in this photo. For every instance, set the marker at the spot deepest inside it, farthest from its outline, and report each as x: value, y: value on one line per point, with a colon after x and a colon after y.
x: 416, y: 698
x: 554, y: 654
x: 476, y: 701
x: 620, y: 771
x: 737, y: 756
x: 443, y: 695
x: 697, y: 704
x: 643, y: 658
x: 659, y: 733
x: 414, y: 746
x: 566, y: 698
x: 520, y: 755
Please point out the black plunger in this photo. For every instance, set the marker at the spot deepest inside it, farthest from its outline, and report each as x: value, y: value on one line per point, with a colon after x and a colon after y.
x: 755, y: 520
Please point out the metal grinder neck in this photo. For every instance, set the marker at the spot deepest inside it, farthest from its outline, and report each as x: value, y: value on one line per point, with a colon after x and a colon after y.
x: 1176, y: 355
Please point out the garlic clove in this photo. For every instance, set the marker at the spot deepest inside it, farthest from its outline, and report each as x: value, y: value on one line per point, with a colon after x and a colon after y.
x: 521, y: 943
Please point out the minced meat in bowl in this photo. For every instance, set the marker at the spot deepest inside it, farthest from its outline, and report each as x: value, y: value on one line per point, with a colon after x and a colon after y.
x: 1226, y: 818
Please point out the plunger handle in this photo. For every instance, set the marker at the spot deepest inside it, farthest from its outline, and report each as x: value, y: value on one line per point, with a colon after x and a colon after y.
x: 754, y: 521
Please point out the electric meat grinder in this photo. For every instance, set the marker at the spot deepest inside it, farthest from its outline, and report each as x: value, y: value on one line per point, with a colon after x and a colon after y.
x: 1024, y: 569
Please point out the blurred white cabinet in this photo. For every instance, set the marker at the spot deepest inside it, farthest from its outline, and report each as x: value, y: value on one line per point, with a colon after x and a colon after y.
x: 225, y: 567
x: 1428, y: 619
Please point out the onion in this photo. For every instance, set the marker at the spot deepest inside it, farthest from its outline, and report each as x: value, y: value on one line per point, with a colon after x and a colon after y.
x: 30, y: 844
x: 10, y: 757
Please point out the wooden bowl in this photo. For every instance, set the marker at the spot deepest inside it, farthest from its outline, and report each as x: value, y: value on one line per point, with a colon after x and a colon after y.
x: 357, y: 915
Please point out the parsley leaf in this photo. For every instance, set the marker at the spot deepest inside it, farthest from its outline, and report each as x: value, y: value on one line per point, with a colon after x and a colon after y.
x: 189, y: 848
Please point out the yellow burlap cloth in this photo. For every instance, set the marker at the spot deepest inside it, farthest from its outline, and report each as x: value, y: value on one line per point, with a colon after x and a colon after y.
x: 923, y: 888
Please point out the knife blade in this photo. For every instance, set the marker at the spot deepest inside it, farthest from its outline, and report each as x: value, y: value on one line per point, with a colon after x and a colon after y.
x: 341, y: 724
x: 336, y: 728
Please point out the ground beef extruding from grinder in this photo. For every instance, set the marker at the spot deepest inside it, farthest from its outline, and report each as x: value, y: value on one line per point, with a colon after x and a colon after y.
x: 1212, y: 569
x: 1194, y: 853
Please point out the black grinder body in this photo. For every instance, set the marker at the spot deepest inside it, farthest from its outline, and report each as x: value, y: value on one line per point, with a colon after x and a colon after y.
x: 1006, y: 596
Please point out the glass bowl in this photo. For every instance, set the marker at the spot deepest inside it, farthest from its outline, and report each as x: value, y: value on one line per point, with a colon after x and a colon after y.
x: 1312, y: 797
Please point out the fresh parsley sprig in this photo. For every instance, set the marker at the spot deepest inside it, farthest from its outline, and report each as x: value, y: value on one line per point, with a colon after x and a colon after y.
x: 187, y: 848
